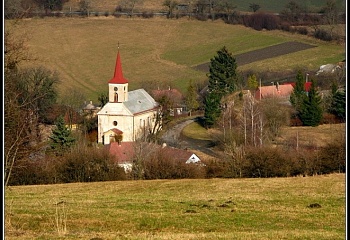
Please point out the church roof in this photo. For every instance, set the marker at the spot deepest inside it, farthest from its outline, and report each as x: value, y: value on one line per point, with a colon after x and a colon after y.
x: 118, y: 77
x: 139, y: 101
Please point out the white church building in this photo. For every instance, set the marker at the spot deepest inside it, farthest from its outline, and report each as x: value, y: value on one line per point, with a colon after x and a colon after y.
x: 128, y: 115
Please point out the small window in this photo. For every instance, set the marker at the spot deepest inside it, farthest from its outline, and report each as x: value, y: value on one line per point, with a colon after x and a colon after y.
x: 115, y: 123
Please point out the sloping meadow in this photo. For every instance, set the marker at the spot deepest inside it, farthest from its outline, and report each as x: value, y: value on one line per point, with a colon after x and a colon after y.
x: 270, y: 208
x: 154, y: 52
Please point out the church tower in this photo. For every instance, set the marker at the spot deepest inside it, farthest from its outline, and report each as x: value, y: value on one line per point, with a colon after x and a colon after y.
x: 118, y: 85
x: 127, y: 116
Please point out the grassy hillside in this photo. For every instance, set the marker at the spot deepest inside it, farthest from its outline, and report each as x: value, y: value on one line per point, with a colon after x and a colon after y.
x: 153, y: 51
x: 275, y: 208
x: 242, y: 5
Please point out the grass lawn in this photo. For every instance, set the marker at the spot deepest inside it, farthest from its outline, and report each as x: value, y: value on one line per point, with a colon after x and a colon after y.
x: 275, y: 208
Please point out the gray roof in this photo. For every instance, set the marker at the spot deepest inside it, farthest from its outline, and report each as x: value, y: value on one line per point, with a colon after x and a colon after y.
x: 139, y: 101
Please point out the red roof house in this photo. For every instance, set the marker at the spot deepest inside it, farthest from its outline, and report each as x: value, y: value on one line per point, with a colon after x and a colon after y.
x: 279, y: 91
x: 125, y: 151
x: 307, y: 86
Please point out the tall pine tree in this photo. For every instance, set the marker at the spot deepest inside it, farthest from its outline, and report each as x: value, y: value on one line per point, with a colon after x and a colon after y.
x: 61, y: 137
x: 338, y: 104
x: 191, y: 98
x: 298, y: 94
x: 222, y: 81
x: 310, y: 110
x: 211, y: 109
x: 222, y: 73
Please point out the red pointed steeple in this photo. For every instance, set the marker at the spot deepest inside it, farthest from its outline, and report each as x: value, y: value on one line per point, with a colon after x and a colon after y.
x: 118, y: 72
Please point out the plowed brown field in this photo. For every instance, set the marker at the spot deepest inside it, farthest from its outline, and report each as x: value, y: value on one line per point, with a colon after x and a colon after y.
x: 265, y: 53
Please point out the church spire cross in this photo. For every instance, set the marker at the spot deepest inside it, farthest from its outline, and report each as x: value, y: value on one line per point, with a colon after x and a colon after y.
x: 118, y: 72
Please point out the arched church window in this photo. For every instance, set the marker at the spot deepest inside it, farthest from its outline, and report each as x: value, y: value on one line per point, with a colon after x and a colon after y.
x: 116, y: 97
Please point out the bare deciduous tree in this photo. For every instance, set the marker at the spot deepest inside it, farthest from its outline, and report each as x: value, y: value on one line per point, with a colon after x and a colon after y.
x: 129, y: 5
x: 252, y: 121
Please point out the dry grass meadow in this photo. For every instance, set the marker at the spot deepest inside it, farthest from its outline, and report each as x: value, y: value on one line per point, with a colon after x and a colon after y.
x: 157, y: 5
x: 155, y: 52
x: 274, y: 208
x: 159, y: 51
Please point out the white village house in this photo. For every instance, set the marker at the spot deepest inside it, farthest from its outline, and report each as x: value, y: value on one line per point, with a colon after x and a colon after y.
x: 127, y: 115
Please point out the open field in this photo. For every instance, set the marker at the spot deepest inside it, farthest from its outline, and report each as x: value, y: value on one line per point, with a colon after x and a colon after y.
x: 275, y: 208
x: 318, y: 136
x: 155, y: 52
x: 242, y: 5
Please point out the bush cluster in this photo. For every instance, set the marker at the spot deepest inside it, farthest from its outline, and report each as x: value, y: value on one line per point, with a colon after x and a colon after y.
x: 259, y: 21
x: 88, y: 165
x: 324, y: 35
x: 84, y: 164
x: 268, y: 162
x: 162, y: 166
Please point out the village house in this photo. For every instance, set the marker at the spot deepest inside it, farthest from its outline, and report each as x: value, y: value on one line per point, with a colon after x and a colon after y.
x: 124, y: 153
x: 176, y: 106
x: 278, y: 91
x: 90, y: 109
x: 128, y: 115
x: 281, y: 91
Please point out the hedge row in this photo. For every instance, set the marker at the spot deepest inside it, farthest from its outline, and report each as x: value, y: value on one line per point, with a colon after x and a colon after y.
x: 93, y: 165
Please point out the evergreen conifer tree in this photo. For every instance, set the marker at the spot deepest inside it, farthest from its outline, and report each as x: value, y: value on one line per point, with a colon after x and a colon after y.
x: 222, y: 81
x: 310, y: 110
x: 211, y: 109
x: 338, y: 104
x: 61, y: 137
x: 191, y: 98
x: 298, y: 94
x: 222, y: 73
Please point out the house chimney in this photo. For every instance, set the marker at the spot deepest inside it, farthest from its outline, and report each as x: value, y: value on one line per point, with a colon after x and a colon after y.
x: 277, y: 85
x: 306, y: 78
x: 163, y: 145
x: 90, y: 102
x: 169, y: 88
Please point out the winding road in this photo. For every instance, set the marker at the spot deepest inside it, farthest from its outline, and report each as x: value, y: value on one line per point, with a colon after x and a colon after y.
x: 173, y: 138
